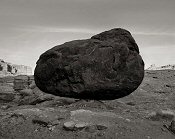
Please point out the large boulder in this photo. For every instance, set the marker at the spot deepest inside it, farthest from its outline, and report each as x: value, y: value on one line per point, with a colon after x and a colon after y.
x: 106, y: 66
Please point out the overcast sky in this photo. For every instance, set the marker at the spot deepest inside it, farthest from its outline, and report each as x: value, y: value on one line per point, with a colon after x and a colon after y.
x: 30, y: 27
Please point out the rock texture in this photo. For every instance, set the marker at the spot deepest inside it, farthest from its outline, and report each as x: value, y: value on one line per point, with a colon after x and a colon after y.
x: 106, y: 66
x: 146, y: 114
x: 166, y: 67
x: 22, y: 82
x: 7, y: 69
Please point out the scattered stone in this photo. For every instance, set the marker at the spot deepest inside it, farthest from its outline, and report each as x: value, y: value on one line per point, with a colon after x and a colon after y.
x: 26, y: 92
x: 38, y: 92
x: 100, y: 134
x: 29, y: 100
x: 92, y: 104
x: 169, y: 128
x: 6, y: 97
x: 18, y: 115
x: 51, y: 128
x: 172, y: 126
x: 90, y: 121
x: 101, y: 127
x: 160, y: 91
x: 33, y: 100
x: 69, y: 126
x: 57, y: 122
x: 5, y: 107
x: 162, y: 115
x: 107, y: 66
x: 80, y: 125
x: 91, y: 129
x: 128, y: 120
x: 169, y: 86
x: 40, y: 122
x: 32, y: 85
x: 131, y: 103
x: 148, y: 137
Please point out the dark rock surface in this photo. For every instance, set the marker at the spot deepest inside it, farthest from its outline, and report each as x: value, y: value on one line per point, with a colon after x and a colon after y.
x: 107, y: 66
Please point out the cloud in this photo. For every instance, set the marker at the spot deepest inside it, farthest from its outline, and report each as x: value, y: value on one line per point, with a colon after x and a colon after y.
x: 155, y: 33
x: 96, y: 14
x: 52, y: 29
x: 33, y: 26
x: 46, y: 29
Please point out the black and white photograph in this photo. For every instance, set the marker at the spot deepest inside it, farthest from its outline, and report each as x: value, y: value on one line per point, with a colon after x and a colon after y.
x: 87, y: 69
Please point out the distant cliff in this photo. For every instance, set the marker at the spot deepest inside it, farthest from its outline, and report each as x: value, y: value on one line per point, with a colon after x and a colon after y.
x: 166, y: 67
x: 7, y: 69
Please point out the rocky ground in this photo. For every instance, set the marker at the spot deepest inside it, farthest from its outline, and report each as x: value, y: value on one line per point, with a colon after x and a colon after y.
x: 147, y: 113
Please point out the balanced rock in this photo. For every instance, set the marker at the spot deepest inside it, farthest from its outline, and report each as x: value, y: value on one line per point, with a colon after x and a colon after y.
x: 106, y: 66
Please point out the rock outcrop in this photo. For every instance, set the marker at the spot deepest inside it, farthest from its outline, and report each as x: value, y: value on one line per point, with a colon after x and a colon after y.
x: 7, y: 69
x: 166, y: 67
x: 106, y: 66
x: 22, y: 82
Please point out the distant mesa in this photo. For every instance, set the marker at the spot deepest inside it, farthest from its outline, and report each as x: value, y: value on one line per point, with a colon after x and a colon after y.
x: 107, y: 66
x: 166, y: 67
x: 8, y: 69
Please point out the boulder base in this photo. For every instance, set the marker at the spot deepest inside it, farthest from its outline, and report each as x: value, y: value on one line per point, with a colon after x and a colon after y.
x: 107, y: 66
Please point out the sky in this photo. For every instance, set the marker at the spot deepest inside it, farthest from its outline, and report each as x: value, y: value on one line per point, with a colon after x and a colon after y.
x: 30, y: 27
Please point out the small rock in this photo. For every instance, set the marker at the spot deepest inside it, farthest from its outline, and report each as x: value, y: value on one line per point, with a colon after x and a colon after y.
x: 69, y: 126
x: 80, y: 125
x: 5, y: 107
x: 164, y: 128
x: 57, y: 122
x: 18, y: 115
x: 7, y: 97
x: 162, y: 115
x: 148, y: 137
x: 37, y: 91
x: 51, y: 128
x: 128, y: 120
x: 32, y: 85
x: 34, y: 99
x: 101, y: 127
x: 91, y: 129
x: 100, y: 134
x: 172, y: 126
x: 94, y: 128
x: 26, y: 92
x: 40, y: 122
x: 167, y: 85
x: 131, y: 103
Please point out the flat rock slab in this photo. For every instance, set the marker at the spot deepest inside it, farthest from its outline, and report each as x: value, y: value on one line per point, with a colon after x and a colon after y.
x: 106, y: 66
x: 90, y: 117
x: 53, y: 123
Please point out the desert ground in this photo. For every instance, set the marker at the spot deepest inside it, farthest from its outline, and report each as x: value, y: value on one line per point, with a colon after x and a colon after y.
x: 147, y: 113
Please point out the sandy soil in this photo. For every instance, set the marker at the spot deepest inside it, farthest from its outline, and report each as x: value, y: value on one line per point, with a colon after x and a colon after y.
x: 145, y: 114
